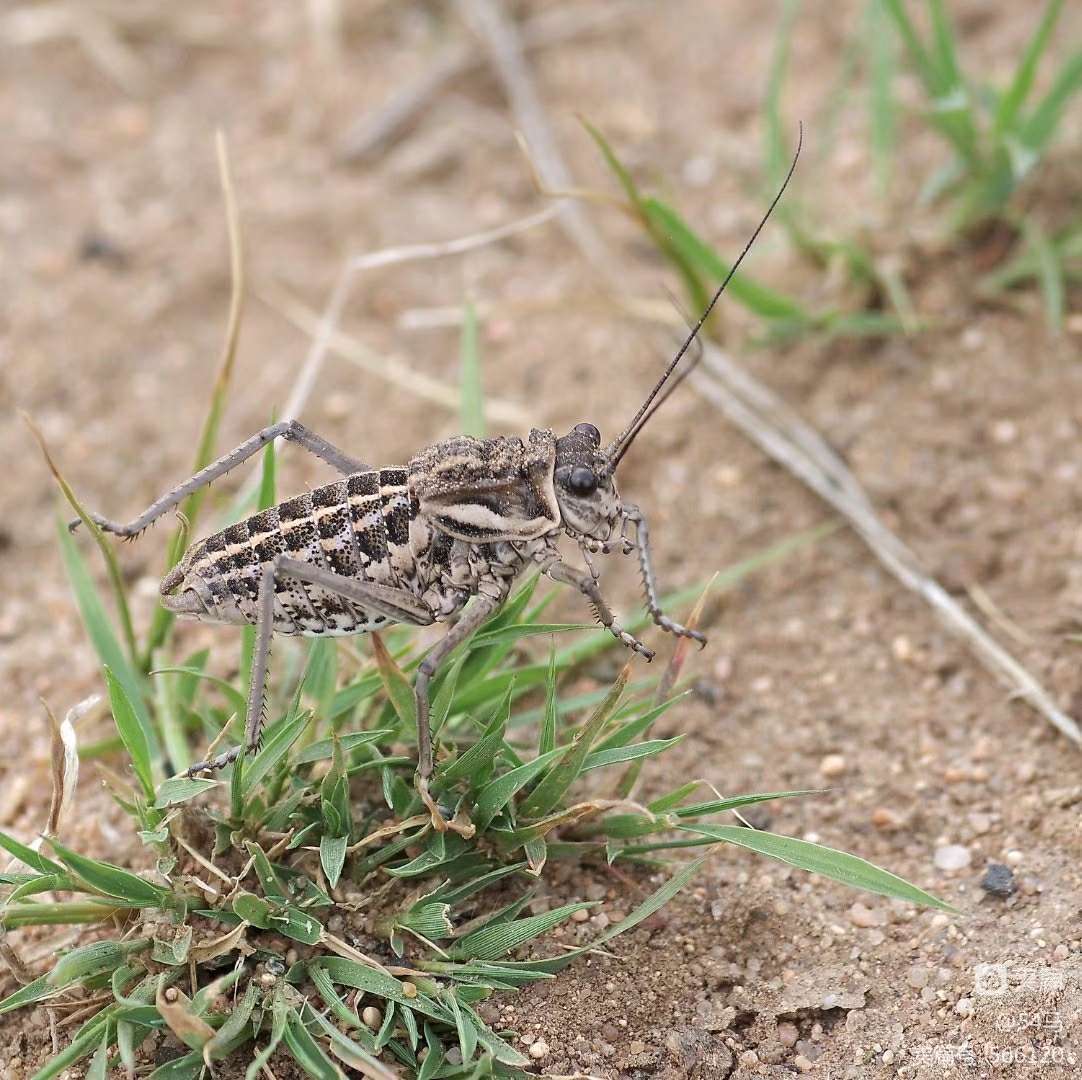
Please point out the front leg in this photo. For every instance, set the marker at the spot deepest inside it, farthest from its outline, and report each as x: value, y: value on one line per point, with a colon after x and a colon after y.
x: 642, y: 545
x: 555, y: 568
x: 482, y: 607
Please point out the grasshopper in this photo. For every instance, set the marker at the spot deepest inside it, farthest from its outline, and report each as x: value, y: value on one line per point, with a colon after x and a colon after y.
x: 414, y: 544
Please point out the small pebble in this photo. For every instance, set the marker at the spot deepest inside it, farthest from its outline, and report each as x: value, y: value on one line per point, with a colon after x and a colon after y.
x: 749, y: 1059
x: 1014, y: 857
x: 866, y: 917
x: 917, y: 977
x: 372, y: 1017
x: 539, y: 1049
x: 952, y: 857
x: 637, y: 1047
x: 803, y: 1064
x: 787, y: 1033
x: 964, y: 1007
x: 580, y: 916
x: 886, y: 819
x: 998, y: 880
x: 833, y: 765
x: 1004, y: 432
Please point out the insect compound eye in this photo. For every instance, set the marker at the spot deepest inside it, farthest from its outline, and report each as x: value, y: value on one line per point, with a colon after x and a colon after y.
x: 590, y: 432
x: 582, y: 481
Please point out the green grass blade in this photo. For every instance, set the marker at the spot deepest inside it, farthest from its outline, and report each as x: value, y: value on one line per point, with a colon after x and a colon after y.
x: 116, y: 581
x: 276, y: 743
x: 551, y: 714
x: 498, y: 793
x: 719, y: 806
x: 35, y: 860
x: 236, y: 699
x: 1037, y: 131
x: 100, y: 630
x: 113, y: 881
x: 919, y: 56
x: 1049, y: 273
x: 882, y: 113
x: 654, y: 902
x: 472, y: 397
x: 839, y: 866
x: 37, y: 990
x: 943, y: 39
x: 492, y: 942
x: 1010, y: 103
x: 398, y: 688
x: 615, y: 165
x: 306, y: 1051
x: 687, y: 249
x: 132, y: 733
x: 777, y: 153
x: 617, y: 755
x: 268, y: 479
x: 554, y: 785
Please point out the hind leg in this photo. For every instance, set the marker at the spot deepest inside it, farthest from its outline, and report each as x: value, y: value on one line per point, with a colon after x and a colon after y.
x: 396, y: 605
x: 287, y: 429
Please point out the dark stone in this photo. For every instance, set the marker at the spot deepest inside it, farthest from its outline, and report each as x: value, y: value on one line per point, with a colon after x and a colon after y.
x: 999, y: 880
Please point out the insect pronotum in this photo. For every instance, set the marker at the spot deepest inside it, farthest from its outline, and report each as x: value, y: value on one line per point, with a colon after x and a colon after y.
x: 414, y: 544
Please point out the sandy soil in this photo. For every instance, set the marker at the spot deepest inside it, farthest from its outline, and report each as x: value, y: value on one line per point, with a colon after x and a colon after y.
x: 822, y: 670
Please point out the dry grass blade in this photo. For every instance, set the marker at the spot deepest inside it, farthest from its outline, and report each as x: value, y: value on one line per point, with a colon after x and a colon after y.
x: 13, y: 961
x: 373, y: 130
x: 504, y: 44
x: 116, y: 582
x: 175, y: 1008
x: 794, y: 444
x: 208, y: 437
x: 64, y: 765
x: 325, y: 332
x: 392, y: 368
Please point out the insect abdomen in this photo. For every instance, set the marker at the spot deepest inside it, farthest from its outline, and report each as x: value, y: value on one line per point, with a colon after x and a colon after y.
x: 357, y: 527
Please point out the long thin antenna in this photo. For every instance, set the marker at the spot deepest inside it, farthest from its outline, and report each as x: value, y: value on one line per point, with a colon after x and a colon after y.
x: 618, y: 447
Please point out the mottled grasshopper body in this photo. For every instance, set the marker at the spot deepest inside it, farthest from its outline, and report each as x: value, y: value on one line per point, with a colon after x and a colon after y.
x: 414, y: 545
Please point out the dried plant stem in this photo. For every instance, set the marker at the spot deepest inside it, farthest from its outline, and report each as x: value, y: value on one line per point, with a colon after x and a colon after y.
x: 794, y: 444
x: 375, y: 129
x: 208, y: 437
x: 325, y: 333
x: 392, y: 368
x: 504, y: 45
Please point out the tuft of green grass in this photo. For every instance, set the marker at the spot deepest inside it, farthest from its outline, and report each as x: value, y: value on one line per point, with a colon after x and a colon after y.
x: 701, y: 268
x: 301, y: 902
x: 322, y: 826
x: 997, y: 134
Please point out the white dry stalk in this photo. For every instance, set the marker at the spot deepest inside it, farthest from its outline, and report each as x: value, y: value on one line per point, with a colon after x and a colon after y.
x: 503, y: 41
x: 393, y: 368
x: 376, y: 128
x: 95, y: 31
x: 64, y: 767
x: 325, y: 333
x: 797, y: 446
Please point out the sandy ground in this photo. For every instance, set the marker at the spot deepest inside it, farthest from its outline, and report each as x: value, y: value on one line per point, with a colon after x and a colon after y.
x: 821, y: 670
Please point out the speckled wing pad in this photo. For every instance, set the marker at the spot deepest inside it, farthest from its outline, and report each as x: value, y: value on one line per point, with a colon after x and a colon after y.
x: 484, y: 490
